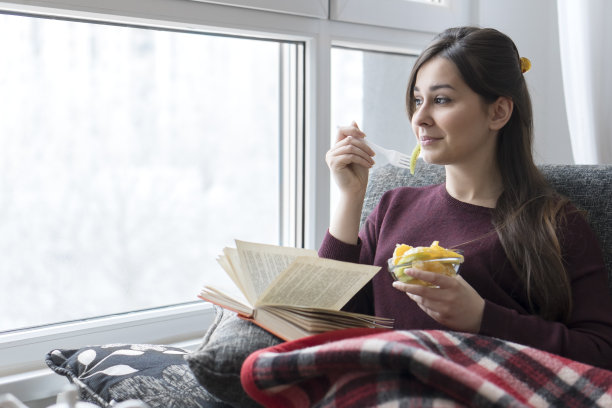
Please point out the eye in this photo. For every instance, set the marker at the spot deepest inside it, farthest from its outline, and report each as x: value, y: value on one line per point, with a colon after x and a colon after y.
x: 418, y: 102
x: 441, y: 100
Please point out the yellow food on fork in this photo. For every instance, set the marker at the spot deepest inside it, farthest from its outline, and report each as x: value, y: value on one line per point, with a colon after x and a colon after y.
x: 433, y: 259
x: 413, y: 158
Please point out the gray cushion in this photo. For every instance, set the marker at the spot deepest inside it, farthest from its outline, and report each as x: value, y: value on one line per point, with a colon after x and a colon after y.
x: 217, y: 362
x: 588, y: 186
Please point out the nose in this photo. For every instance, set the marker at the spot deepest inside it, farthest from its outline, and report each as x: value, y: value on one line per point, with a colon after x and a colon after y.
x: 422, y: 116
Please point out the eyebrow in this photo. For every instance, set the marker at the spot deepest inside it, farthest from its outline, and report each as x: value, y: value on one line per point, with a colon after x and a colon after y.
x: 436, y: 87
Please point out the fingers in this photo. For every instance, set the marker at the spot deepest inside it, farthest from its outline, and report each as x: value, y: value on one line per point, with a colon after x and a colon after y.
x: 417, y: 292
x: 351, y: 150
x: 432, y: 308
x: 431, y: 300
x: 346, y: 132
x: 427, y: 296
x: 453, y: 302
x: 435, y: 279
x: 351, y: 130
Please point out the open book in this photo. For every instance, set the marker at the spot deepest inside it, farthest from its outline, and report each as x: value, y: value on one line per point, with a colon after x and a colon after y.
x: 292, y: 292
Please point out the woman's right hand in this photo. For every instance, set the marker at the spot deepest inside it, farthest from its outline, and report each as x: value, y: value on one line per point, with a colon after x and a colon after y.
x: 350, y: 160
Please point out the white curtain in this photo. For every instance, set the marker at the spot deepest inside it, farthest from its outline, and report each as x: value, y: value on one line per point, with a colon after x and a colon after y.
x: 585, y: 35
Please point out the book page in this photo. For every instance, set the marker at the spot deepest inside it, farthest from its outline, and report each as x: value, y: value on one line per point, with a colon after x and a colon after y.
x: 260, y: 264
x: 320, y: 320
x: 232, y: 302
x: 227, y: 267
x: 278, y: 325
x: 317, y: 283
x: 230, y: 262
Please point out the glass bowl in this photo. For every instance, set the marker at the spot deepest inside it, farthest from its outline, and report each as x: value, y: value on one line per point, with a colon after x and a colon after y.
x: 447, y: 266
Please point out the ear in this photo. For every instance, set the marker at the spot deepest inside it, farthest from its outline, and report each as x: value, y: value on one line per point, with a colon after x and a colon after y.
x: 500, y: 112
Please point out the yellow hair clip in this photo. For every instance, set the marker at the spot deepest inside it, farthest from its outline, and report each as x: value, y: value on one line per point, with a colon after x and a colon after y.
x: 525, y: 64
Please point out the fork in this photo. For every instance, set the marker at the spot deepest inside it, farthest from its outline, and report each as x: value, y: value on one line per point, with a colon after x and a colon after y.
x: 395, y: 158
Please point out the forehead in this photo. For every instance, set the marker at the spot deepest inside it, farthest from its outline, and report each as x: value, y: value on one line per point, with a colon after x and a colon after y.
x: 438, y: 72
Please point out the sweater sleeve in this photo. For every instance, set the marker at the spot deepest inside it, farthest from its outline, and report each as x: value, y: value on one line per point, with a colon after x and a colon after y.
x: 333, y: 248
x: 363, y: 252
x: 587, y: 335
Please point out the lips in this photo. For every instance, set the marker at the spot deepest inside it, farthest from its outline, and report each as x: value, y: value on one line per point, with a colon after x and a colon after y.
x: 427, y: 140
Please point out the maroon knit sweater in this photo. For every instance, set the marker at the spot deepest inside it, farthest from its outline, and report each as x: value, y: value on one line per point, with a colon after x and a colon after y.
x: 419, y: 216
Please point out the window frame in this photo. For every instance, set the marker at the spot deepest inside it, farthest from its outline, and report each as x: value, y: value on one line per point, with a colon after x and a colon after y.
x: 416, y: 14
x: 311, y: 8
x: 22, y: 369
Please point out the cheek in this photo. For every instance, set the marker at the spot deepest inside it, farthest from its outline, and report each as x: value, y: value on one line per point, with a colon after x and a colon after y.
x: 466, y: 124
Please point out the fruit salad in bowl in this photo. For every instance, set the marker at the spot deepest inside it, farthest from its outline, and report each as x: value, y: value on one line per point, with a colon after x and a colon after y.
x: 433, y: 258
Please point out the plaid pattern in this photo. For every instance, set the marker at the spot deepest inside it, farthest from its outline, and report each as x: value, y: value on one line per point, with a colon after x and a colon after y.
x: 419, y: 368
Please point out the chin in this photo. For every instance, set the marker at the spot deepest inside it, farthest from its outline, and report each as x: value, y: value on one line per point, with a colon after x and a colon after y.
x: 429, y: 159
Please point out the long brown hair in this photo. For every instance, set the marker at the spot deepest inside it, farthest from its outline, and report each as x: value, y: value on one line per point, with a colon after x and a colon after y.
x: 528, y: 212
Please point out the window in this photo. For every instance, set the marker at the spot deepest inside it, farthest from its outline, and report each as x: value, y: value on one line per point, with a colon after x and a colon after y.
x: 131, y: 156
x: 370, y: 88
x: 152, y: 135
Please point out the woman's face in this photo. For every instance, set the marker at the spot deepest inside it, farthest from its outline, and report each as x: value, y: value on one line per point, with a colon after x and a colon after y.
x: 450, y: 120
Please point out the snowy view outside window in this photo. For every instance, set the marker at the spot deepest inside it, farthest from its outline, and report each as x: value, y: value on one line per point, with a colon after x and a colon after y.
x: 369, y: 87
x: 129, y: 157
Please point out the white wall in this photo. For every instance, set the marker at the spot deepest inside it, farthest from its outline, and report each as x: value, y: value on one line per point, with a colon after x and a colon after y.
x: 533, y: 27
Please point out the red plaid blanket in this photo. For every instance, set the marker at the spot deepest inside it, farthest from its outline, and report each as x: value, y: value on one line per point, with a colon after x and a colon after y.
x: 419, y: 368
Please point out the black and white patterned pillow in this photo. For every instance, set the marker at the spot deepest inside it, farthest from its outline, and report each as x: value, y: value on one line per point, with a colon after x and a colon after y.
x: 157, y: 375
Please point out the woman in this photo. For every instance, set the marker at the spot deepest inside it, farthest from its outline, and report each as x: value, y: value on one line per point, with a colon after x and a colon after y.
x: 533, y: 270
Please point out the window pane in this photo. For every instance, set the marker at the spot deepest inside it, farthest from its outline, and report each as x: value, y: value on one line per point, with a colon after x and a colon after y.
x: 130, y: 157
x: 370, y: 88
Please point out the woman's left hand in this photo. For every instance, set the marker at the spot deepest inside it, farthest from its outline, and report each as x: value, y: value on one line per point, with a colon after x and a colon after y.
x: 453, y: 303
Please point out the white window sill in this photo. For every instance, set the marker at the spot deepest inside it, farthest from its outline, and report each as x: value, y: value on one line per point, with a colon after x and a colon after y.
x: 24, y: 373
